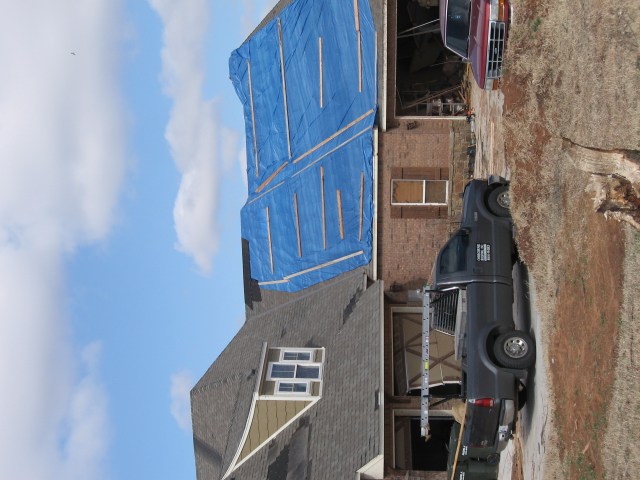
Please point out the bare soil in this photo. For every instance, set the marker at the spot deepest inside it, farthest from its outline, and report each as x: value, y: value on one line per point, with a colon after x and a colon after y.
x: 573, y: 76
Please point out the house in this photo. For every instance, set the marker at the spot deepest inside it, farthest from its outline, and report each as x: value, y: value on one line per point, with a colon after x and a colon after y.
x: 357, y: 158
x: 297, y: 393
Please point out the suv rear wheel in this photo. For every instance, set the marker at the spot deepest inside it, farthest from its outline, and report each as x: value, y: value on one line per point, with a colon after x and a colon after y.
x: 499, y: 201
x: 515, y: 349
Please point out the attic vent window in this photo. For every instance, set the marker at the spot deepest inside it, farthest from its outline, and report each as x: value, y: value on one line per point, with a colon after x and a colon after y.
x: 289, y: 355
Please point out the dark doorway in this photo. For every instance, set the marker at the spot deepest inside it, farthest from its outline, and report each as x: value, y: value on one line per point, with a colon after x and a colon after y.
x: 413, y: 452
x: 432, y: 454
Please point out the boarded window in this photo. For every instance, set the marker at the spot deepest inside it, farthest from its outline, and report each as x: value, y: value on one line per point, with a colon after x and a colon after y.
x: 419, y: 192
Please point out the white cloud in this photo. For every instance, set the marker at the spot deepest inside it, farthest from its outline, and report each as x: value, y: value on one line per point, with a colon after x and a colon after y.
x: 181, y: 385
x: 62, y: 151
x: 199, y: 143
x: 89, y: 428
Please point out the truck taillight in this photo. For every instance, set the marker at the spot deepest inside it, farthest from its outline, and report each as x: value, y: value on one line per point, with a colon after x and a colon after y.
x: 482, y: 402
x: 501, y: 10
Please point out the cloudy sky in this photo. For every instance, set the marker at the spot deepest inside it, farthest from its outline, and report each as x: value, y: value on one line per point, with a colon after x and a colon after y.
x: 121, y: 153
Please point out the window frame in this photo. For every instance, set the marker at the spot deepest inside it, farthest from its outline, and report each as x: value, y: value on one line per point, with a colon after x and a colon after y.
x: 271, y: 378
x: 310, y: 351
x: 307, y: 387
x: 424, y: 202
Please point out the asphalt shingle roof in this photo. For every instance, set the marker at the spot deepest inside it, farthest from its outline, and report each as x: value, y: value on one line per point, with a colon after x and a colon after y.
x: 340, y: 433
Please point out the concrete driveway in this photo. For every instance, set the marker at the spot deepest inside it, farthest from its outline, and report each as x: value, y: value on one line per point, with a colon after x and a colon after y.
x: 533, y: 418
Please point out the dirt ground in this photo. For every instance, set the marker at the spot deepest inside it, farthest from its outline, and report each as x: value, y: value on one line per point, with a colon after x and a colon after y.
x: 573, y: 78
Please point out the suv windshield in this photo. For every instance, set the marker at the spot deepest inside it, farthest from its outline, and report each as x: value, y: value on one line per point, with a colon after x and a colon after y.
x: 458, y: 26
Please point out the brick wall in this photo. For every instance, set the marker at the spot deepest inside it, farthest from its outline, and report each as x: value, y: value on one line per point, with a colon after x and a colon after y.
x: 407, y: 246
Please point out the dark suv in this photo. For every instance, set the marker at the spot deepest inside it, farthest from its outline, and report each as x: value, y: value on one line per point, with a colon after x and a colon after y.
x: 472, y: 299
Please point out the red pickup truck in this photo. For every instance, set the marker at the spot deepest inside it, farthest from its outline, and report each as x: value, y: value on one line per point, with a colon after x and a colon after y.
x: 477, y: 31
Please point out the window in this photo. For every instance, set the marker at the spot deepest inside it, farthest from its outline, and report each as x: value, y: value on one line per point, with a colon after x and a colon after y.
x: 293, y: 372
x: 293, y: 387
x: 458, y: 28
x: 288, y: 355
x: 419, y: 192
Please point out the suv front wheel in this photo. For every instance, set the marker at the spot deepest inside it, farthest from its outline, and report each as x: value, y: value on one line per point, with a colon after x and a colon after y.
x: 515, y: 349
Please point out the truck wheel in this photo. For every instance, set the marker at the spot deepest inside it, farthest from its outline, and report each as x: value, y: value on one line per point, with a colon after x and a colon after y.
x: 499, y: 201
x: 515, y: 350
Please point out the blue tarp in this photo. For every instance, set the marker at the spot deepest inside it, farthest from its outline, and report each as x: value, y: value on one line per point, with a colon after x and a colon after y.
x: 304, y: 152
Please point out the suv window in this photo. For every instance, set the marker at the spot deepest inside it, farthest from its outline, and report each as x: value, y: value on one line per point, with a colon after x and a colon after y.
x: 458, y: 12
x: 454, y: 255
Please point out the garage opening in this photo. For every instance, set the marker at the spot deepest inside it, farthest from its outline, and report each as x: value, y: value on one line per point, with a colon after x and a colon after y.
x: 428, y: 76
x: 413, y: 452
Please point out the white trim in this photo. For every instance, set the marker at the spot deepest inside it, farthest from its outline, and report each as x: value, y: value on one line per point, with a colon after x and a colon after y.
x: 252, y: 409
x: 373, y: 469
x: 374, y: 253
x: 381, y: 407
x: 432, y: 117
x: 385, y: 67
x: 274, y: 282
x: 395, y: 61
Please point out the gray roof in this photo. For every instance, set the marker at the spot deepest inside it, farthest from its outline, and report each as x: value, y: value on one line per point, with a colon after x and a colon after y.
x: 341, y: 432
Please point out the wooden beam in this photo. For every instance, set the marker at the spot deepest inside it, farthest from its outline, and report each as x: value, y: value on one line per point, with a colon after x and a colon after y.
x: 361, y: 205
x: 284, y: 87
x: 287, y: 278
x: 269, y: 239
x: 271, y: 177
x: 356, y: 15
x: 318, y: 267
x: 295, y: 206
x: 340, y: 219
x: 359, y: 62
x: 306, y: 167
x: 321, y: 72
x: 324, y: 224
x: 253, y: 119
x: 455, y: 460
x: 331, y: 137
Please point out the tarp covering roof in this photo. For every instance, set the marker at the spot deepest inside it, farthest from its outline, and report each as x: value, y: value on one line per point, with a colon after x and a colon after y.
x: 307, y: 82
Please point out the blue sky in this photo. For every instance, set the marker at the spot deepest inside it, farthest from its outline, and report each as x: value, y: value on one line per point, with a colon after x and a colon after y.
x: 122, y: 152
